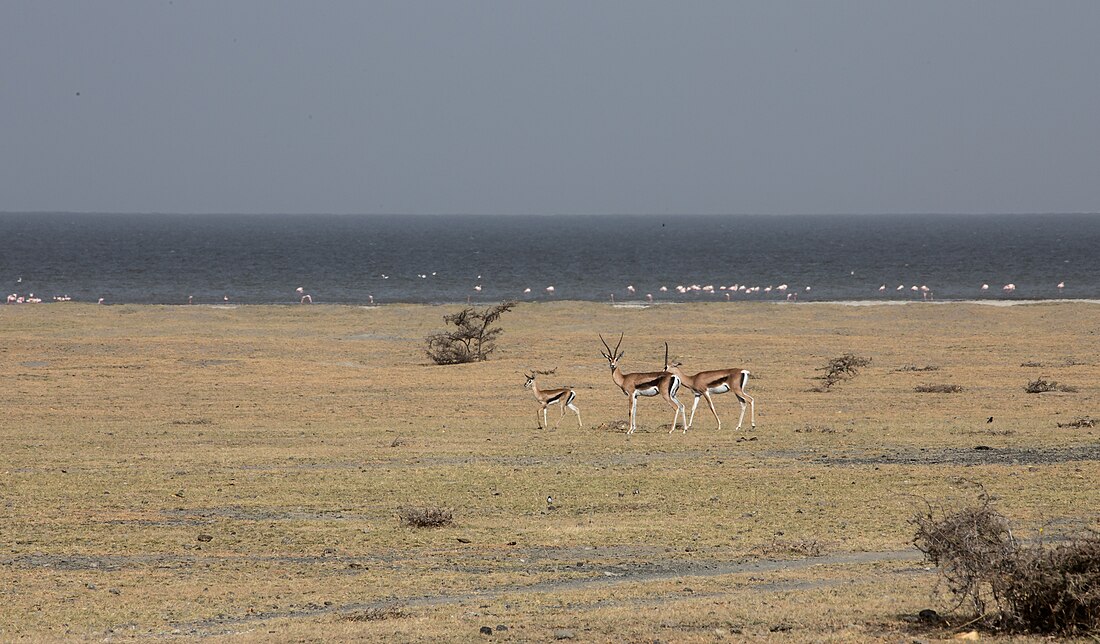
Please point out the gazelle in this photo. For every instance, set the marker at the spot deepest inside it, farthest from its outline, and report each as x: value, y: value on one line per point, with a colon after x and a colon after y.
x: 718, y: 381
x: 644, y: 384
x: 564, y: 396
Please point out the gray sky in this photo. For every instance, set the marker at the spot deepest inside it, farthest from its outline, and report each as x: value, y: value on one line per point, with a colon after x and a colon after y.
x: 550, y: 107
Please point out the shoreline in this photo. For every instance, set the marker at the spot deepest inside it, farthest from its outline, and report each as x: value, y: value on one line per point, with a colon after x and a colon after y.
x: 629, y: 304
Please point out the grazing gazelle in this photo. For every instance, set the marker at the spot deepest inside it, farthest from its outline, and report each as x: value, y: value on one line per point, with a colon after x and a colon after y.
x: 718, y: 381
x: 564, y: 396
x: 644, y: 384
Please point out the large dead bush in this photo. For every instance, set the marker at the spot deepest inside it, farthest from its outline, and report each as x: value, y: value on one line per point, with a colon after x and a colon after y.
x: 1012, y: 586
x: 473, y: 338
x: 841, y: 368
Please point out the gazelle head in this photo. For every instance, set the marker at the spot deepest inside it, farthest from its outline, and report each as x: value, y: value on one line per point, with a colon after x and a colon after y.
x: 530, y: 379
x: 612, y: 355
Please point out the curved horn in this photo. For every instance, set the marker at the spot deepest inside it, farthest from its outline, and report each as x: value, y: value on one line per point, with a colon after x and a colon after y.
x: 609, y: 352
x: 666, y: 356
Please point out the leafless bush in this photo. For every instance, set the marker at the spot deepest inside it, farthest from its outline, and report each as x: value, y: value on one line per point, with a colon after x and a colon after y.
x: 1031, y: 363
x: 614, y: 426
x: 376, y: 614
x: 1080, y: 423
x: 938, y: 389
x: 473, y: 339
x: 1012, y: 586
x: 913, y: 367
x: 811, y: 429
x: 426, y: 517
x: 1041, y: 385
x: 844, y: 367
x: 799, y: 547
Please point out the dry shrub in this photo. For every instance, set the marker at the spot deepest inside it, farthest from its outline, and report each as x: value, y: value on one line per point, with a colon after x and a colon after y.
x: 938, y: 389
x: 811, y: 429
x: 473, y: 339
x: 1033, y: 588
x: 844, y: 367
x: 1080, y: 423
x: 785, y: 547
x: 1041, y: 385
x: 621, y: 426
x: 913, y: 367
x: 1031, y: 363
x: 376, y: 614
x: 426, y: 517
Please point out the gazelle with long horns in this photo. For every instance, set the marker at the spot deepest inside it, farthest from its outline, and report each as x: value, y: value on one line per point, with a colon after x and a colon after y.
x: 717, y: 381
x: 647, y: 384
x: 564, y: 396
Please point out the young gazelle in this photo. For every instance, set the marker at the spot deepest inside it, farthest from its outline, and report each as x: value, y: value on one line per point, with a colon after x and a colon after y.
x: 644, y: 384
x: 718, y: 381
x: 564, y: 396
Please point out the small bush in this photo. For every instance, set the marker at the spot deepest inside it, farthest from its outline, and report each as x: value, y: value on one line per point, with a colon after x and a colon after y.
x: 913, y: 367
x: 426, y: 517
x: 938, y: 389
x: 1080, y: 423
x: 1031, y: 363
x: 786, y: 547
x: 1041, y: 385
x: 845, y: 367
x: 376, y: 614
x: 1025, y: 588
x: 811, y: 429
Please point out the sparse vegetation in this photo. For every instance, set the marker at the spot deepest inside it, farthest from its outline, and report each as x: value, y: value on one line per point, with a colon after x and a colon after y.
x: 938, y: 389
x: 1080, y: 423
x: 913, y: 367
x: 1010, y: 585
x: 844, y: 367
x: 376, y: 614
x: 426, y: 517
x: 788, y: 547
x: 1041, y: 385
x: 473, y: 339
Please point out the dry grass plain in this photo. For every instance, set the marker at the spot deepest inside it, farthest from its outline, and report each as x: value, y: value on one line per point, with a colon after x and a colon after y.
x: 183, y: 472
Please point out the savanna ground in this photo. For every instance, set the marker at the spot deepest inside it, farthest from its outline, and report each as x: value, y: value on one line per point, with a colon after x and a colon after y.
x: 182, y: 472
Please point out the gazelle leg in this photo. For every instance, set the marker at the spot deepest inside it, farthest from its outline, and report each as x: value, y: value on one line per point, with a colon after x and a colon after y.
x: 752, y: 408
x: 560, y: 417
x: 710, y: 401
x: 577, y: 412
x: 693, y: 406
x: 633, y: 409
x: 543, y: 425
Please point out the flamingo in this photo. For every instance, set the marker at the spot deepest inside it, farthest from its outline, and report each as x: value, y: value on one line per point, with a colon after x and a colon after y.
x: 1061, y: 285
x: 663, y: 289
x: 985, y: 287
x: 649, y: 297
x: 1008, y: 288
x: 882, y: 288
x: 630, y: 287
x: 527, y: 290
x: 550, y: 289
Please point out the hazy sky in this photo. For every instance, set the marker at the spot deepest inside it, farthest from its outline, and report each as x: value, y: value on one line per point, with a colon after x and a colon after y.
x: 550, y: 107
